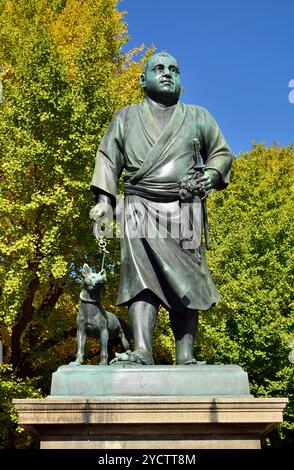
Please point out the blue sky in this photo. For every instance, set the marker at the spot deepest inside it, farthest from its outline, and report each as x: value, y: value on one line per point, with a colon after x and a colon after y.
x: 236, y: 59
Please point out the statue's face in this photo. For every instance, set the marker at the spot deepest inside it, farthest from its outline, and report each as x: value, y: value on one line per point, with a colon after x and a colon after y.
x: 161, y: 79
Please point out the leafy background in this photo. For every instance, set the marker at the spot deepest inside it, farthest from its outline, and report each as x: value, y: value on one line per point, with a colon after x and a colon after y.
x: 64, y: 75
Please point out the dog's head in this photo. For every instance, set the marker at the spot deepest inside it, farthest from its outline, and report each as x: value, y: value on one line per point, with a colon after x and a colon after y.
x: 92, y: 280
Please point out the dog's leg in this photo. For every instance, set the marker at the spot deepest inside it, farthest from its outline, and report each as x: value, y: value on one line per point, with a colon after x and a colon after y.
x: 81, y: 341
x: 104, y: 336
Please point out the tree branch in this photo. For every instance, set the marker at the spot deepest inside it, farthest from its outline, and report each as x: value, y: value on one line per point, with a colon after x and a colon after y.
x: 50, y: 342
x: 50, y: 300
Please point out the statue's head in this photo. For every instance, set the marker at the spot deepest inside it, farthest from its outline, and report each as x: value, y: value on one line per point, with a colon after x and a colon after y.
x: 161, y: 78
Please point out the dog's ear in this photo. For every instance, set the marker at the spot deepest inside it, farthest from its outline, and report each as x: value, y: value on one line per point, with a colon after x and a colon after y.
x: 102, y: 273
x: 86, y: 270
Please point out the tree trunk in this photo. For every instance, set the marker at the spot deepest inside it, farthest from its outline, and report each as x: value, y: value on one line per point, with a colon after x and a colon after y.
x: 24, y: 320
x: 26, y: 367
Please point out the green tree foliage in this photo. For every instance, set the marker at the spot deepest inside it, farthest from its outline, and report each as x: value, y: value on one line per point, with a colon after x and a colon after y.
x: 64, y: 75
x: 252, y: 264
x: 12, y: 435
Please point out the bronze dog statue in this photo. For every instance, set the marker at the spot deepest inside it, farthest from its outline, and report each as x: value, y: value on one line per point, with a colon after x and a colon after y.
x: 93, y: 320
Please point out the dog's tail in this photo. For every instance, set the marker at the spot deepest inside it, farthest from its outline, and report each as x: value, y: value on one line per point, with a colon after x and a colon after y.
x: 125, y: 334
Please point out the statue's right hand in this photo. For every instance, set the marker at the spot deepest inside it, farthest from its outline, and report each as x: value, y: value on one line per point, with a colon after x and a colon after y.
x: 98, y: 211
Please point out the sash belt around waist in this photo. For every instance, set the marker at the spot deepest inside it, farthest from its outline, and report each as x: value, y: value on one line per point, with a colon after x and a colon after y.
x: 158, y: 192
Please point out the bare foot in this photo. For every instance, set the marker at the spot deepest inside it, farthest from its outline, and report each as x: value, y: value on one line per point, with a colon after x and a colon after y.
x: 135, y: 357
x: 75, y: 363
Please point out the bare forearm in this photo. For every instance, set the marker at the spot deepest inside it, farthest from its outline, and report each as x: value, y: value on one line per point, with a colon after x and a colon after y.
x: 214, y: 175
x: 103, y: 198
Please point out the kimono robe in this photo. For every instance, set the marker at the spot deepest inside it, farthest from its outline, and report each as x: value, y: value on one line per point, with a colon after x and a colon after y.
x: 161, y: 247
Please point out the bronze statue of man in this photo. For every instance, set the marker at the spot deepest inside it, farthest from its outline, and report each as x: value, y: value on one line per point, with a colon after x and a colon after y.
x: 153, y: 142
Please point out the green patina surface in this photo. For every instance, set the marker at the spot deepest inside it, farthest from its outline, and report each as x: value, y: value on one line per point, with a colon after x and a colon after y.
x: 137, y: 380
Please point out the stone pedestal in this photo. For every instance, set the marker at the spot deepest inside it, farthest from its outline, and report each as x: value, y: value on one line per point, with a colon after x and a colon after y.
x: 150, y: 407
x: 136, y: 381
x: 163, y: 422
